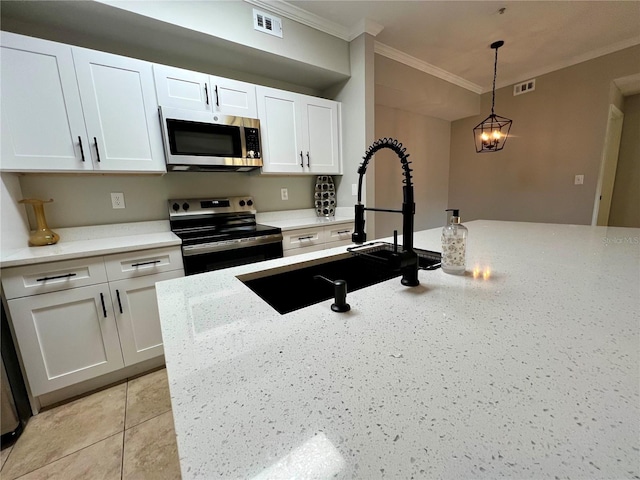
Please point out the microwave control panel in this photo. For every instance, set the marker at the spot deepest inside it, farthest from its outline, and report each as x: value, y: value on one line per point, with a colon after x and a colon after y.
x: 252, y: 139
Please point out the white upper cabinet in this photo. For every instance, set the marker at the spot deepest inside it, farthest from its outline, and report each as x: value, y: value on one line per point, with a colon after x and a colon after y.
x: 300, y: 134
x: 71, y: 109
x: 321, y: 135
x: 42, y: 121
x: 180, y: 88
x: 281, y: 138
x: 121, y: 112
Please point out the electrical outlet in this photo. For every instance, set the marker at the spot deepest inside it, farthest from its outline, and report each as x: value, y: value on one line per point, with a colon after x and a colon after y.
x: 579, y: 180
x: 354, y: 189
x: 117, y: 200
x: 284, y: 194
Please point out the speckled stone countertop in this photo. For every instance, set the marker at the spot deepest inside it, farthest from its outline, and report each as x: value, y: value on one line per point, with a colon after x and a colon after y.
x: 527, y: 368
x: 81, y: 242
x: 294, y: 219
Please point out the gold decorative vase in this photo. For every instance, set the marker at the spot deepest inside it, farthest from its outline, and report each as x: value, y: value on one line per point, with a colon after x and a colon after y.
x: 43, y: 235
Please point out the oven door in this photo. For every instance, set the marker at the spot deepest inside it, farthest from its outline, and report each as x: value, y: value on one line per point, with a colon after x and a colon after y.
x: 208, y: 257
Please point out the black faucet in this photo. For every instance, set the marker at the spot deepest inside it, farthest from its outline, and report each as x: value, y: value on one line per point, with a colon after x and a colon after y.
x: 407, y: 260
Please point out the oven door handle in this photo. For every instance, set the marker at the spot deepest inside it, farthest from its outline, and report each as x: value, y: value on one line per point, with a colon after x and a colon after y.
x: 203, y: 248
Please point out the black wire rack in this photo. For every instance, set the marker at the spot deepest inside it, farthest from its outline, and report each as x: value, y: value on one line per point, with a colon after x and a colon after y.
x: 382, y: 252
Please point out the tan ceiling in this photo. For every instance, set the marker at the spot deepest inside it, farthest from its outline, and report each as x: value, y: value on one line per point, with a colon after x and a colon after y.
x: 539, y: 36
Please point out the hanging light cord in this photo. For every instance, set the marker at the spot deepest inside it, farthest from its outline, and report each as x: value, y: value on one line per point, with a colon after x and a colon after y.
x: 495, y: 73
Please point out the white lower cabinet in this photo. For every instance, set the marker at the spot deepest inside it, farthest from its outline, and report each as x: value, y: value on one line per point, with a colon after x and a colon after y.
x: 66, y: 337
x: 68, y: 332
x: 305, y: 240
x: 137, y: 317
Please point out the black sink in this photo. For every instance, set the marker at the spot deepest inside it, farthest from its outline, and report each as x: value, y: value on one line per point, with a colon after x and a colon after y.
x: 287, y: 289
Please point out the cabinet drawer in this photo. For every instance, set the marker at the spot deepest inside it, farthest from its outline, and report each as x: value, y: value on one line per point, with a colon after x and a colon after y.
x: 338, y: 233
x: 143, y: 262
x: 52, y: 277
x: 306, y: 237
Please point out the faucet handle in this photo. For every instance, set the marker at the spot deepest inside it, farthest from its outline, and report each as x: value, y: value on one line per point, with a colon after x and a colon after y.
x: 359, y: 236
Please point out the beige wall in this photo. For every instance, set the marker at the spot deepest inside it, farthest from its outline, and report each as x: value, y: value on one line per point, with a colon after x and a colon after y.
x: 427, y: 142
x: 13, y: 220
x: 625, y: 202
x: 86, y: 199
x: 358, y: 116
x: 558, y: 132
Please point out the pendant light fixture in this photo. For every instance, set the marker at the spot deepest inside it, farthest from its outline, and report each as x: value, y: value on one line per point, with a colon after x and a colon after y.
x: 491, y: 134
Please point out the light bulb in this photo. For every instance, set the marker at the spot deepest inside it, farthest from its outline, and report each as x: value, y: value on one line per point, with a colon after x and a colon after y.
x: 484, y: 137
x: 496, y: 134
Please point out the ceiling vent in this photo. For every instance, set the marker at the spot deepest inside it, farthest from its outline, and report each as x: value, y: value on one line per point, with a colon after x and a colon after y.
x: 524, y: 87
x: 267, y: 23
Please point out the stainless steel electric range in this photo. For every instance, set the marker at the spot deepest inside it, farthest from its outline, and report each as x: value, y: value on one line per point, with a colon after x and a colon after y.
x: 219, y: 233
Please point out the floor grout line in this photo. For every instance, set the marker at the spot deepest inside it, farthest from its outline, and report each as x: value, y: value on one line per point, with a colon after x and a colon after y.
x: 124, y: 429
x: 68, y: 454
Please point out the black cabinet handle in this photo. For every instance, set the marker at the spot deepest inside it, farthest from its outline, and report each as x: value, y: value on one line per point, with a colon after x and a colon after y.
x: 217, y: 97
x: 104, y: 308
x: 144, y: 263
x: 344, y: 231
x: 95, y: 140
x: 308, y: 160
x: 206, y: 93
x: 301, y: 160
x: 81, y: 149
x: 308, y: 237
x: 119, y: 302
x: 44, y: 279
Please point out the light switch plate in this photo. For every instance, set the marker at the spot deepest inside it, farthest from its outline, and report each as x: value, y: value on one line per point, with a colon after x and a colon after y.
x: 284, y: 194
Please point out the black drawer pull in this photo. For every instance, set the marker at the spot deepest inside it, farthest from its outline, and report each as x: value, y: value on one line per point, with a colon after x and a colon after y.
x: 81, y: 149
x: 95, y: 140
x: 308, y: 237
x: 145, y: 263
x: 104, y: 308
x: 44, y: 279
x: 119, y: 302
x: 344, y: 231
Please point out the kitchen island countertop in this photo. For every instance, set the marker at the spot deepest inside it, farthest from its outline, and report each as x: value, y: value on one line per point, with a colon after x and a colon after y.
x: 525, y: 367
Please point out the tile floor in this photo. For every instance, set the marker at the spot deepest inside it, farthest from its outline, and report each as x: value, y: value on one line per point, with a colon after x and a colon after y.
x: 123, y: 432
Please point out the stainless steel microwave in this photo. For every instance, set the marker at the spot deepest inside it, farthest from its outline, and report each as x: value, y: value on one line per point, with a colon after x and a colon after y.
x: 205, y: 141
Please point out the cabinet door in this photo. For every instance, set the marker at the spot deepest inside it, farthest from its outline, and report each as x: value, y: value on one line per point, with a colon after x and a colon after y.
x: 231, y: 97
x: 180, y: 88
x: 137, y: 316
x: 281, y: 136
x: 42, y: 122
x: 321, y: 136
x: 121, y: 112
x: 66, y: 337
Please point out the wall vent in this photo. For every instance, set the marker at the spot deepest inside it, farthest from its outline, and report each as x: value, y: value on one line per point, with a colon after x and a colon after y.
x: 267, y: 23
x: 524, y: 87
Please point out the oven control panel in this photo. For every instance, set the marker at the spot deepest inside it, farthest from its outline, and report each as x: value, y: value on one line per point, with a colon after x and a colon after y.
x: 199, y: 206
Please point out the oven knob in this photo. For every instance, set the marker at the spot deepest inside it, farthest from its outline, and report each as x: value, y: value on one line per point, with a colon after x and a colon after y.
x: 175, y: 207
x: 249, y: 202
x: 242, y: 203
x: 185, y: 205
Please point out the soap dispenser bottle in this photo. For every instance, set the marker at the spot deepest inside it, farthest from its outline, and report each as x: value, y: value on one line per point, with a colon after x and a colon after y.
x: 454, y: 244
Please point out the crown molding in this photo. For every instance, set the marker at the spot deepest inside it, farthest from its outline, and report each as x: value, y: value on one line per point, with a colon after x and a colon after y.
x: 398, y: 56
x: 299, y: 15
x: 585, y: 57
x: 365, y: 26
